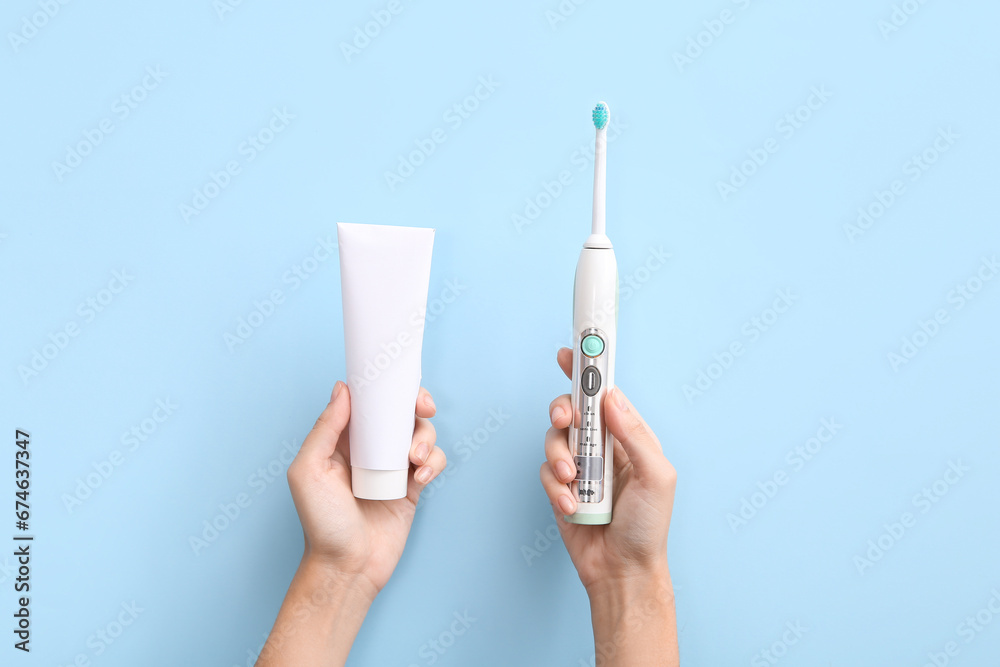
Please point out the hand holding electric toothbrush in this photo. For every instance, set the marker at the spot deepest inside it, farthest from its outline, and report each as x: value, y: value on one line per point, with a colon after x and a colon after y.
x: 623, y: 565
x: 609, y: 484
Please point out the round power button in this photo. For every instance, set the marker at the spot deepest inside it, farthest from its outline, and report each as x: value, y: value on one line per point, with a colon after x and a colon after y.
x: 592, y: 346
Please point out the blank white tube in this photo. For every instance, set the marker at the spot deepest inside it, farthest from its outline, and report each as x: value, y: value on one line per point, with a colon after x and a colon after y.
x: 384, y: 275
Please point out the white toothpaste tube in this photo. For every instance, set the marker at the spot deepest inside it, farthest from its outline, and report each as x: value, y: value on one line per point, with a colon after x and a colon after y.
x: 384, y: 275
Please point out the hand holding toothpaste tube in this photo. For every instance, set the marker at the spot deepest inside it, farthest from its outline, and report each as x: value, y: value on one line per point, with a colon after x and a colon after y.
x: 357, y: 537
x: 351, y: 545
x: 358, y: 475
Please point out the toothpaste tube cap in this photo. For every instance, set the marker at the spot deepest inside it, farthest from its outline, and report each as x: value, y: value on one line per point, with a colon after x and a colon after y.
x: 379, y: 484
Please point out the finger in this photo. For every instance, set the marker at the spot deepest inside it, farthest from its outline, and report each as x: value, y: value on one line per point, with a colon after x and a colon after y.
x: 621, y: 456
x: 558, y: 456
x: 637, y: 439
x: 424, y: 437
x: 425, y: 404
x: 565, y: 358
x: 560, y: 410
x: 322, y: 439
x: 558, y: 493
x: 426, y: 473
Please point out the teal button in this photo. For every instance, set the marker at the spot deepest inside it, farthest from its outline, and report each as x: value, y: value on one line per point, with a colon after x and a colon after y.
x: 592, y: 346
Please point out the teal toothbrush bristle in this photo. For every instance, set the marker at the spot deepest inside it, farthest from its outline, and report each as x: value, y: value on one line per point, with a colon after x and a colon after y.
x: 600, y: 116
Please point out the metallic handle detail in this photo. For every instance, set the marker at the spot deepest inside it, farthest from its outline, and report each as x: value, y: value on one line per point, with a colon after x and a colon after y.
x: 588, y: 425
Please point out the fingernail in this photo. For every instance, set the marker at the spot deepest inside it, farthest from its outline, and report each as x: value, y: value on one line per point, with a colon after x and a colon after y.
x: 619, y: 399
x: 423, y: 449
x: 566, y: 504
x: 337, y: 389
x: 428, y: 401
x: 557, y: 414
x: 424, y: 474
x: 564, y: 471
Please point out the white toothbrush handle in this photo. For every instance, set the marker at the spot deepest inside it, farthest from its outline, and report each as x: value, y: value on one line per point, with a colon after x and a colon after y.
x: 595, y: 315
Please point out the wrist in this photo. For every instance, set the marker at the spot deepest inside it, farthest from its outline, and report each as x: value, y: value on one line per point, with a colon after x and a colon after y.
x: 331, y: 582
x: 634, y: 619
x: 320, y: 616
x: 619, y: 590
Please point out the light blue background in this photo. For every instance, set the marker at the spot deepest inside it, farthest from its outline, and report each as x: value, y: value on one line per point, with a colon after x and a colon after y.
x: 493, y: 347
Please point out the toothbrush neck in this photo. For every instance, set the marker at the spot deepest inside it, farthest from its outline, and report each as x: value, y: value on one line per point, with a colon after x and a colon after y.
x: 597, y: 242
x: 600, y: 166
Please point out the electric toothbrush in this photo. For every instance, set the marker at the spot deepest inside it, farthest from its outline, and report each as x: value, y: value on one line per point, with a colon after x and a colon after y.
x: 595, y: 320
